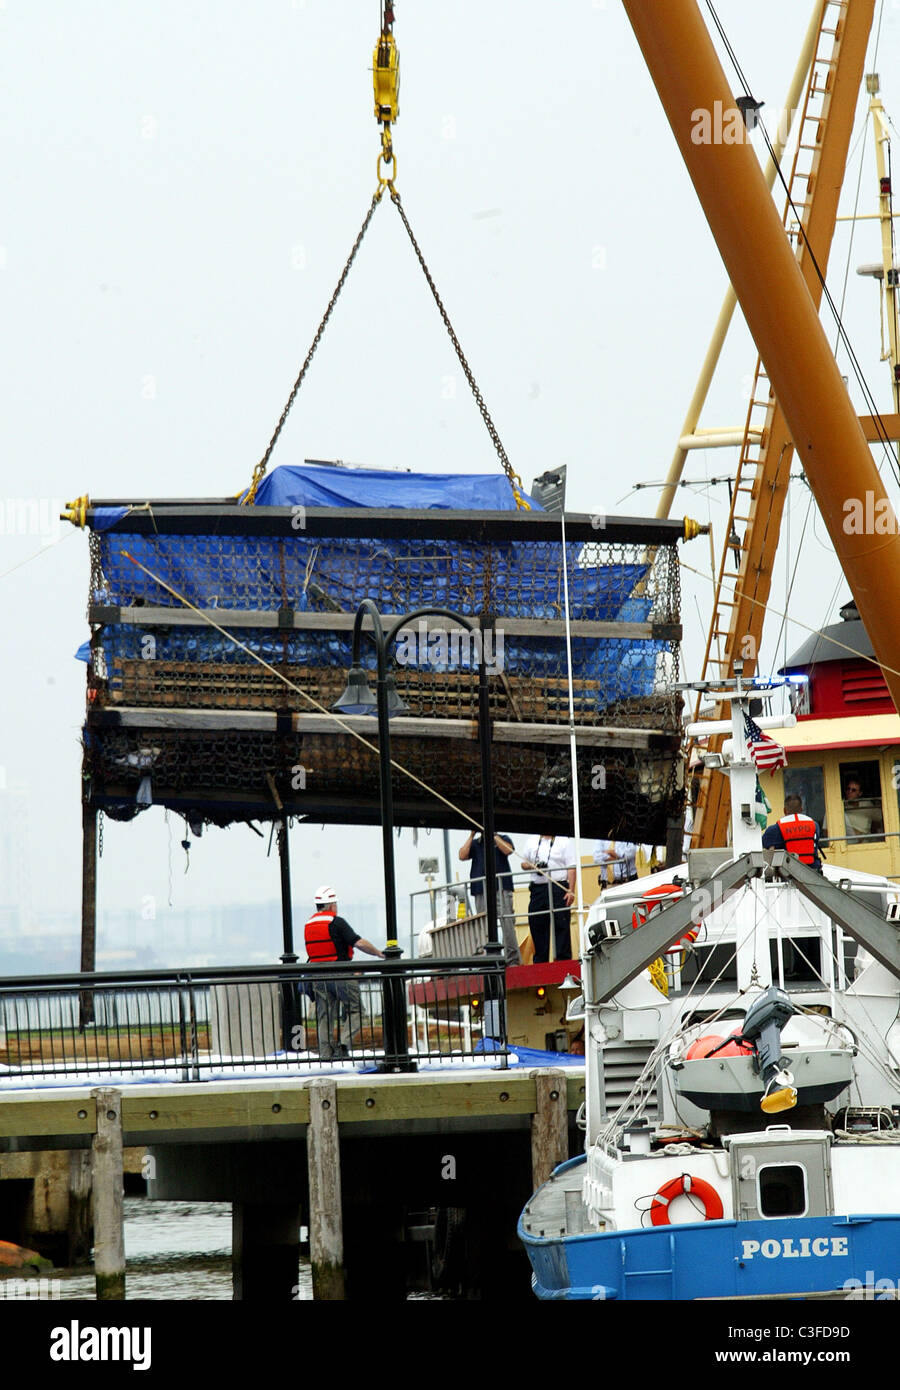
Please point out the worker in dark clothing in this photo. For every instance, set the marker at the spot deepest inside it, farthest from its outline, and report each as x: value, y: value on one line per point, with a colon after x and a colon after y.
x: 331, y: 938
x: 797, y: 833
x: 473, y: 849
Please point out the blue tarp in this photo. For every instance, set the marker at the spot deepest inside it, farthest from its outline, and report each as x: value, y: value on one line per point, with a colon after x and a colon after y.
x: 310, y: 485
x: 524, y: 580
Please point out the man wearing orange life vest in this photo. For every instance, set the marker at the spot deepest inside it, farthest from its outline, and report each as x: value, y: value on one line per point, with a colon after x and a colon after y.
x: 331, y: 938
x: 797, y: 833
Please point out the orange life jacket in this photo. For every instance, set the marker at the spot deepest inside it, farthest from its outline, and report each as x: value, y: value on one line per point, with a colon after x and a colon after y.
x: 799, y: 834
x: 317, y: 934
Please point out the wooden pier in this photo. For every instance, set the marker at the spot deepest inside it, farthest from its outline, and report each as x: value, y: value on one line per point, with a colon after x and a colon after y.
x: 401, y: 1179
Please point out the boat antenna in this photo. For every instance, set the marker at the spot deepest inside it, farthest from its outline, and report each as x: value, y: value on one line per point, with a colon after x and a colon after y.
x: 576, y: 810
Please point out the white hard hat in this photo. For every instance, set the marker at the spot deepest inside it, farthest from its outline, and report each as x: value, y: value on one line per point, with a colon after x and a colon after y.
x: 326, y: 894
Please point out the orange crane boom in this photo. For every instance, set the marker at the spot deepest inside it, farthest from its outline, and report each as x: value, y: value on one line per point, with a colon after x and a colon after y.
x: 779, y: 311
x: 760, y: 492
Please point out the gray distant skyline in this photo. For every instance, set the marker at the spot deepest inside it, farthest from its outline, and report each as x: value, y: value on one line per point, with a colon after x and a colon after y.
x: 182, y: 186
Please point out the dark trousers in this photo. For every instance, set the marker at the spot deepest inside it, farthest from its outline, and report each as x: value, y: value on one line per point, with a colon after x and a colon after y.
x: 539, y: 911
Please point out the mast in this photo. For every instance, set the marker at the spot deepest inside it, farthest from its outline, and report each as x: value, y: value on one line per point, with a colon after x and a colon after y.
x: 779, y: 311
x: 689, y: 429
x: 890, y: 270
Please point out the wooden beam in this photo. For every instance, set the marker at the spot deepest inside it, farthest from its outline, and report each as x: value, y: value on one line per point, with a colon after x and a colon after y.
x: 885, y: 426
x: 292, y: 619
x: 257, y: 721
x: 277, y: 1106
x: 473, y: 527
x: 169, y: 1112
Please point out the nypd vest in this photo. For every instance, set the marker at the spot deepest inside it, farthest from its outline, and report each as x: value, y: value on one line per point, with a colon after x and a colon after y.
x: 799, y: 834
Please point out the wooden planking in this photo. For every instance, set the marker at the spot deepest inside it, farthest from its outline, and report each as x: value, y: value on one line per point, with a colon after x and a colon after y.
x: 22, y: 1117
x: 257, y: 721
x: 292, y: 619
x: 189, y: 1109
x: 181, y: 1108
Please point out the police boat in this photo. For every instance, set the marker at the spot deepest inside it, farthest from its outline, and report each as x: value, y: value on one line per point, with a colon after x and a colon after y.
x: 742, y: 1113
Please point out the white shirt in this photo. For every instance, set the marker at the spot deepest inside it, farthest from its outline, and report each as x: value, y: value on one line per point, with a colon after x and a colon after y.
x: 621, y: 855
x: 557, y: 851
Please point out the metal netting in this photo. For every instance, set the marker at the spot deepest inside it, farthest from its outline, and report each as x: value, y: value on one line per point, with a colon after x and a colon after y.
x: 181, y: 710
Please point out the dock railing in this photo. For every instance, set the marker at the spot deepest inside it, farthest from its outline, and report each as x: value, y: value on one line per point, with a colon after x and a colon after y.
x: 450, y: 918
x: 193, y: 1025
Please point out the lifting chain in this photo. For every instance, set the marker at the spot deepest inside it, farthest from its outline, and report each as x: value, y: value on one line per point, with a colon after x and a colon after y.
x: 386, y: 79
x: 515, y: 481
x: 263, y: 464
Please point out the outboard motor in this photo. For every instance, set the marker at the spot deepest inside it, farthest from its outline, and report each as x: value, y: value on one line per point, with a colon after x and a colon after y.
x: 762, y: 1027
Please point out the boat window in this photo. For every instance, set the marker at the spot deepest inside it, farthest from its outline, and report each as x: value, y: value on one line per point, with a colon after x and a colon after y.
x: 861, y: 793
x: 809, y: 784
x: 782, y: 1189
x: 801, y: 958
x: 709, y: 963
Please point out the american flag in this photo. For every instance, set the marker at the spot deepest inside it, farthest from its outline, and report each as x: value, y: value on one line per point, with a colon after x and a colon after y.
x: 765, y: 752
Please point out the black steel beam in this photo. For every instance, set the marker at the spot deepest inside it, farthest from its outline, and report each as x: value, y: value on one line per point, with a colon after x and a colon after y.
x: 395, y: 523
x: 330, y: 809
x: 616, y: 961
x: 880, y: 938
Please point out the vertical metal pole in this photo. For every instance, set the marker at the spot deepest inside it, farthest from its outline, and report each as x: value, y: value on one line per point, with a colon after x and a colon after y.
x: 396, y: 1039
x: 88, y: 906
x: 494, y: 1003
x: 487, y: 796
x: 291, y: 1005
x: 446, y: 857
x: 387, y: 796
x: 573, y: 748
x: 287, y: 912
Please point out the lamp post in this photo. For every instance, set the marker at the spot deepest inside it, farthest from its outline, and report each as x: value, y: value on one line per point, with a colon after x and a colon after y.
x: 358, y: 699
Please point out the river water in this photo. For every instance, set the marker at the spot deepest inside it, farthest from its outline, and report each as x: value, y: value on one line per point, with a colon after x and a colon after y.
x: 175, y: 1251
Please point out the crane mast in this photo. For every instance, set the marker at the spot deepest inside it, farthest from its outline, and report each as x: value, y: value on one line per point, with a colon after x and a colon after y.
x: 761, y: 484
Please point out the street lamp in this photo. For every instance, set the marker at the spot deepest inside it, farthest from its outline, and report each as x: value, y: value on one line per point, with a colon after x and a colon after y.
x: 357, y: 698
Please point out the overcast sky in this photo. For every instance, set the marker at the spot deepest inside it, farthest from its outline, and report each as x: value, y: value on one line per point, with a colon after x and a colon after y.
x: 182, y: 185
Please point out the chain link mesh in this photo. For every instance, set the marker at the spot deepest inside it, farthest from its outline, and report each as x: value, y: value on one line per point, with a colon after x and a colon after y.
x: 223, y: 774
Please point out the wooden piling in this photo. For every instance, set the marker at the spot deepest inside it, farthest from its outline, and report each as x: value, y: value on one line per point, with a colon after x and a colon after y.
x: 326, y: 1229
x: 79, y: 1229
x: 549, y: 1124
x: 107, y: 1176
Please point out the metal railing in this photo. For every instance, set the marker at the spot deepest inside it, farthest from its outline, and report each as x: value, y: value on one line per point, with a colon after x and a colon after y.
x: 194, y: 1025
x: 435, y: 909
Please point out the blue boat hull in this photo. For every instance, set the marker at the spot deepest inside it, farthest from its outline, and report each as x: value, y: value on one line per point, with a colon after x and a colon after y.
x: 720, y: 1259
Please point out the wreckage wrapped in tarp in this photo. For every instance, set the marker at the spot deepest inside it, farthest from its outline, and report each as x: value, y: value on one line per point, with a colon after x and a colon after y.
x: 189, y: 600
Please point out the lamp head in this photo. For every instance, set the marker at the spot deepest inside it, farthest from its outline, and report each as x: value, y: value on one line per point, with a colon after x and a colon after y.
x: 395, y: 705
x: 358, y: 697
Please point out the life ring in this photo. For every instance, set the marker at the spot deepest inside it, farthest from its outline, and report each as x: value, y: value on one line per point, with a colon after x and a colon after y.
x: 712, y: 1202
x: 643, y: 911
